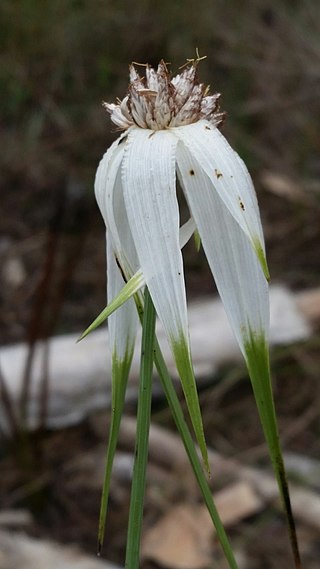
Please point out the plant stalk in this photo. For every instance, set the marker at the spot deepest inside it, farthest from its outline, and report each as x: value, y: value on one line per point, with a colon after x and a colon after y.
x: 142, y: 434
x: 177, y: 413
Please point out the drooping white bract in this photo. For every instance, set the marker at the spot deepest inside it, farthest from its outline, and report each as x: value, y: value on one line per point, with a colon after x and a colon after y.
x: 171, y: 129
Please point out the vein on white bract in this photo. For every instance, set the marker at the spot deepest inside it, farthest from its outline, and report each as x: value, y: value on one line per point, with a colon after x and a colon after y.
x: 171, y: 128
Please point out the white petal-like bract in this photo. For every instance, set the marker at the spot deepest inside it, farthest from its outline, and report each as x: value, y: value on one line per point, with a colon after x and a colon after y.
x: 149, y: 187
x: 123, y: 322
x: 232, y: 259
x: 170, y: 127
x: 148, y: 178
x: 230, y: 179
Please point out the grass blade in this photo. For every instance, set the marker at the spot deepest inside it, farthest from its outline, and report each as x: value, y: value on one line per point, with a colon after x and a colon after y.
x: 142, y: 435
x: 257, y: 356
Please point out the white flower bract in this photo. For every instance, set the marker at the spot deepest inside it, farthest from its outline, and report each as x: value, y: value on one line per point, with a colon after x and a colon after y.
x: 171, y: 130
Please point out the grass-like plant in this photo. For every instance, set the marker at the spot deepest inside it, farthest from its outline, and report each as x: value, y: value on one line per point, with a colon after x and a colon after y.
x: 171, y: 130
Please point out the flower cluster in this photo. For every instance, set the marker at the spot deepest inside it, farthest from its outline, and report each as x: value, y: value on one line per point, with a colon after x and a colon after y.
x: 170, y: 131
x: 157, y: 101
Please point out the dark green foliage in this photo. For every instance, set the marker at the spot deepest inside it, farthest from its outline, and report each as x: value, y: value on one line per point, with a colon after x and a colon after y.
x: 60, y: 59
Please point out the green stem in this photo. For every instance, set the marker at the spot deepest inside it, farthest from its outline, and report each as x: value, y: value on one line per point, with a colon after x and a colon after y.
x: 120, y: 372
x: 189, y: 445
x: 257, y: 356
x: 187, y: 440
x: 142, y: 435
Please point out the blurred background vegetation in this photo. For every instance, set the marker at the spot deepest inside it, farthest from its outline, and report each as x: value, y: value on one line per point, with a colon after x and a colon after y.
x: 61, y: 58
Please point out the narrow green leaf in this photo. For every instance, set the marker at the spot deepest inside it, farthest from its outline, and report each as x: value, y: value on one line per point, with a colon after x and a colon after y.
x: 189, y: 445
x: 129, y: 289
x: 262, y: 258
x: 188, y: 382
x: 142, y: 435
x: 120, y: 373
x: 197, y: 240
x: 257, y: 357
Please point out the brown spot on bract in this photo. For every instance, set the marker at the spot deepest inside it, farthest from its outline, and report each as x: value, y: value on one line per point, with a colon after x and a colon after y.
x: 207, y: 127
x: 241, y: 205
x: 120, y: 269
x: 218, y: 174
x: 124, y: 139
x: 191, y: 172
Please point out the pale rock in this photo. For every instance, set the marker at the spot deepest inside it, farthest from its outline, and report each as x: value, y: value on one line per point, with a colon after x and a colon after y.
x: 80, y: 373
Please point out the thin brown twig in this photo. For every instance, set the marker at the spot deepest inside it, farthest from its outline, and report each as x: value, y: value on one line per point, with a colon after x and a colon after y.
x: 7, y: 406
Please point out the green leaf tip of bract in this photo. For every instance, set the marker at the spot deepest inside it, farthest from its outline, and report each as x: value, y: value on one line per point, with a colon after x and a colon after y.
x: 197, y: 240
x: 257, y: 359
x: 185, y: 369
x: 129, y: 289
x: 261, y: 257
x: 96, y: 323
x: 256, y: 350
x: 120, y: 374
